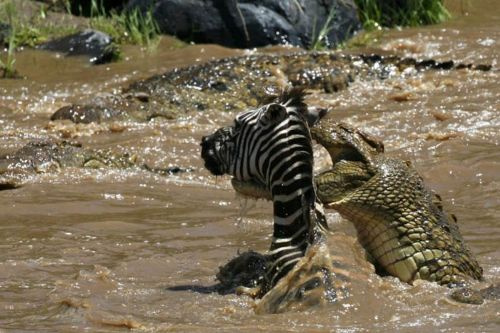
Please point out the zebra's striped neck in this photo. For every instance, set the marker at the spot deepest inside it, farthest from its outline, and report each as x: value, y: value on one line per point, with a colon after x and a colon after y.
x: 293, y: 196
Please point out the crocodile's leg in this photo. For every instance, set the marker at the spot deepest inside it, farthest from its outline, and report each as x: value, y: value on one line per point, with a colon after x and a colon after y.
x: 472, y: 296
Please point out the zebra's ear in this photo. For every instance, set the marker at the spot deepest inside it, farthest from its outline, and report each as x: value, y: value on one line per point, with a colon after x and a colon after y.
x: 275, y: 113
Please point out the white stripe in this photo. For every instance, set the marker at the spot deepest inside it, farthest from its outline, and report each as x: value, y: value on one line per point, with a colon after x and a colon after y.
x: 288, y: 197
x: 278, y: 131
x: 293, y: 154
x: 262, y: 157
x: 285, y: 240
x: 284, y: 248
x: 242, y: 143
x: 290, y: 169
x: 284, y: 257
x: 284, y: 139
x: 291, y: 180
x: 293, y: 261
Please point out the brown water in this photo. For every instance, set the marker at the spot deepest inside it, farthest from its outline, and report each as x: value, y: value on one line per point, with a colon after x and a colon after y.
x: 97, y: 251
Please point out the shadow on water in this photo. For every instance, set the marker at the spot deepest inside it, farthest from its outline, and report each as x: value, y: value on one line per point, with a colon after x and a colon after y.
x: 215, y: 288
x: 8, y: 186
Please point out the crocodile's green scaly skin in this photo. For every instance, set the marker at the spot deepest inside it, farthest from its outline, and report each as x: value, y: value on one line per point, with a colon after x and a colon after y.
x: 399, y: 221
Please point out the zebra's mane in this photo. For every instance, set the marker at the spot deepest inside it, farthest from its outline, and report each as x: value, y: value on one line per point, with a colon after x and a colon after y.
x: 291, y: 97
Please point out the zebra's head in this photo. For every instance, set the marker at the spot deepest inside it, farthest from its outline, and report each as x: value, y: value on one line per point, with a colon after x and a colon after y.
x: 217, y: 150
x: 236, y: 149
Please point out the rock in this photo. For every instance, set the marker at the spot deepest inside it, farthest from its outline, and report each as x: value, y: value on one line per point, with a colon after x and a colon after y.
x: 246, y: 23
x: 92, y: 43
x: 84, y: 114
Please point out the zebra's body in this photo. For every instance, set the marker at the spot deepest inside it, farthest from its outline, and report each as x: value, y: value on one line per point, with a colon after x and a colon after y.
x: 272, y: 145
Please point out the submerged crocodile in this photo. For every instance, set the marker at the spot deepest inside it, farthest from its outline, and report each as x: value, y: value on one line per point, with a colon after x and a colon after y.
x: 400, y: 223
x: 235, y: 84
x: 50, y: 156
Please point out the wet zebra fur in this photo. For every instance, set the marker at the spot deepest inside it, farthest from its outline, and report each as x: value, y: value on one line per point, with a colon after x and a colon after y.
x: 272, y: 145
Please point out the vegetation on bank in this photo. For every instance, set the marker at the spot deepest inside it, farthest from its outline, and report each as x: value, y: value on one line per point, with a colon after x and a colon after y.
x: 139, y: 28
x: 319, y: 39
x: 33, y: 28
x: 392, y: 13
x: 127, y: 27
x: 7, y: 67
x: 376, y: 14
x: 29, y: 25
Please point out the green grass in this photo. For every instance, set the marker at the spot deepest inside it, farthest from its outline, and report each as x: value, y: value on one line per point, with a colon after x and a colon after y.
x: 363, y: 39
x: 391, y: 13
x: 31, y: 31
x: 320, y: 40
x: 375, y: 14
x: 132, y: 27
x: 7, y: 67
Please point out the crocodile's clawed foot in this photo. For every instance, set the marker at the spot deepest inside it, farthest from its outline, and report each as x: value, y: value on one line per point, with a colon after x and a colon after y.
x: 468, y: 295
x: 254, y: 292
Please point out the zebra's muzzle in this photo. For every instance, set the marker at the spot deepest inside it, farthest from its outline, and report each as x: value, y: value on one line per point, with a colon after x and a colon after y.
x: 214, y: 150
x: 209, y: 155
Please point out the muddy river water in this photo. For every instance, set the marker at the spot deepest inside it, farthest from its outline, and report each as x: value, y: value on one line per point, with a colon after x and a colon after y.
x: 108, y: 250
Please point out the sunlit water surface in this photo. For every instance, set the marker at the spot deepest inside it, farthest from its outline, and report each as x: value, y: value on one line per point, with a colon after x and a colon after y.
x: 85, y: 250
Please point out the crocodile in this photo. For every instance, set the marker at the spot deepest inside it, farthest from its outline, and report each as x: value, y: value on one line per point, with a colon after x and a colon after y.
x: 51, y: 156
x: 399, y: 221
x: 236, y: 83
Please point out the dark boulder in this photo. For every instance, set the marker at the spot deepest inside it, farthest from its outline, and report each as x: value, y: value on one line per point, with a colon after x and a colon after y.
x: 246, y: 23
x: 92, y: 43
x: 84, y: 114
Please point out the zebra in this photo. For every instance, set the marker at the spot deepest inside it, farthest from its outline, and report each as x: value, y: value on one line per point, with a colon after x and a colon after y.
x: 272, y: 146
